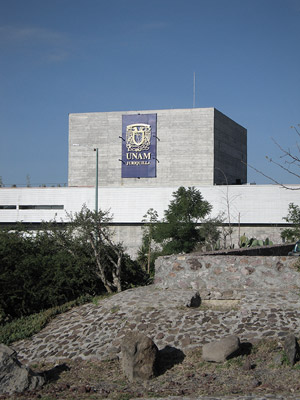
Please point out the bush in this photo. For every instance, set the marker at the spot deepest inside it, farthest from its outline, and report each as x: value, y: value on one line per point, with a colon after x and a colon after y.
x: 179, y: 232
x: 293, y: 233
x: 24, y: 327
x: 132, y: 274
x: 35, y: 274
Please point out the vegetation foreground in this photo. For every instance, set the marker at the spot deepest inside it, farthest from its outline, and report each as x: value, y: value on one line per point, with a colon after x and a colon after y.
x: 60, y: 267
x: 265, y: 370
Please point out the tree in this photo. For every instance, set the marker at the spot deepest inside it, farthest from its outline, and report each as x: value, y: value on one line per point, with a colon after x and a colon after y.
x: 89, y: 230
x: 210, y: 233
x: 292, y: 234
x: 289, y: 161
x: 147, y: 251
x: 60, y: 263
x: 88, y: 236
x: 37, y: 273
x: 178, y: 232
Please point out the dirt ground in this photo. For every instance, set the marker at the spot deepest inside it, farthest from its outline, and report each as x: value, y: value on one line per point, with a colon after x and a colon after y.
x: 262, y: 369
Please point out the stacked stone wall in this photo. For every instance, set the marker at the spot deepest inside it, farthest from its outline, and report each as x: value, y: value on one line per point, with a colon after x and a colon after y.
x: 226, y: 277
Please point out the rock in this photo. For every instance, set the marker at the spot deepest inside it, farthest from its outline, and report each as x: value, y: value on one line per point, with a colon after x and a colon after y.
x: 255, y: 383
x: 195, y: 301
x: 221, y: 350
x: 15, y: 377
x: 247, y: 366
x: 291, y: 348
x: 138, y: 356
x: 277, y: 359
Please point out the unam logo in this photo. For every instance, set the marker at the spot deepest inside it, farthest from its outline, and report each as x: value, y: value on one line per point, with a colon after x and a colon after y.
x: 138, y: 137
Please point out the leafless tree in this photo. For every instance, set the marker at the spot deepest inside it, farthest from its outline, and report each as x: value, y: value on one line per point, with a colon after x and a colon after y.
x: 289, y: 161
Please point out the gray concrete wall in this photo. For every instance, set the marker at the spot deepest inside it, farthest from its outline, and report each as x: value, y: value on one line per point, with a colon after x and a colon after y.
x: 185, y: 150
x: 230, y: 149
x: 260, y: 232
x: 131, y: 235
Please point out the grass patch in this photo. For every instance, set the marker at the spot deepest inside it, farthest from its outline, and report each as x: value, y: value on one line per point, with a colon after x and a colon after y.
x: 48, y: 398
x: 96, y: 299
x: 284, y: 359
x: 25, y: 327
x: 232, y: 363
x: 115, y: 309
x: 125, y: 397
x: 266, y: 346
x: 193, y: 377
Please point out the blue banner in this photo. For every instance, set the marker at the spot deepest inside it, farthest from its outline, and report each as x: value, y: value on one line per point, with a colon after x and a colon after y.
x: 139, y: 146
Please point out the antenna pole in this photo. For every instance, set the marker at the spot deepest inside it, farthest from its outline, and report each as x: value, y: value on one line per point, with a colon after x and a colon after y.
x: 194, y: 91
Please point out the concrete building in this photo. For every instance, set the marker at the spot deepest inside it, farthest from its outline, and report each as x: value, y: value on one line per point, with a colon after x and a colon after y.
x: 144, y: 156
x: 199, y: 146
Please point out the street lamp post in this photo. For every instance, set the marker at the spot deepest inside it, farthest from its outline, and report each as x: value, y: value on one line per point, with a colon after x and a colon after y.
x: 96, y: 186
x: 96, y: 183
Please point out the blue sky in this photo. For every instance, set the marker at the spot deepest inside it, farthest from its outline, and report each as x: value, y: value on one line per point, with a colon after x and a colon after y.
x: 66, y: 56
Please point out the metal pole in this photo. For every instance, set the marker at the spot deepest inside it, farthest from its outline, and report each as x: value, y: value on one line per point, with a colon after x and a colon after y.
x: 194, y: 91
x: 96, y: 186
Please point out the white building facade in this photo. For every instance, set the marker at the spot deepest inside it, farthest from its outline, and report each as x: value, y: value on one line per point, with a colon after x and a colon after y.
x: 256, y: 210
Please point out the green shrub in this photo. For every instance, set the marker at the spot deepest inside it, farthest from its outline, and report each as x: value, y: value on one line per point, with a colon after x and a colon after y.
x: 37, y: 274
x: 25, y: 327
x: 44, y: 271
x: 132, y: 274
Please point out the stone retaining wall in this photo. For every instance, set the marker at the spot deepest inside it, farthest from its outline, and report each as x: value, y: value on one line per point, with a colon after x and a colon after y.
x: 226, y: 277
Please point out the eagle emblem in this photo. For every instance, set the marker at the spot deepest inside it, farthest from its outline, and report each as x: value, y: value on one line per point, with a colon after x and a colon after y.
x: 138, y: 137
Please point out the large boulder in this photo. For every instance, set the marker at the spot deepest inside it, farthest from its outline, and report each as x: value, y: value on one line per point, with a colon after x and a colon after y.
x: 138, y: 356
x: 15, y: 377
x: 221, y: 350
x: 291, y: 348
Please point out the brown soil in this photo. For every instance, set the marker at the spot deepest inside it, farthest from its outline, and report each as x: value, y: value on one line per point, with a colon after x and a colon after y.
x: 260, y: 370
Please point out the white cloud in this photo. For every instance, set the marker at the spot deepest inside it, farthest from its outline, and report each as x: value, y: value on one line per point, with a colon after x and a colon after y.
x: 48, y: 45
x: 11, y: 34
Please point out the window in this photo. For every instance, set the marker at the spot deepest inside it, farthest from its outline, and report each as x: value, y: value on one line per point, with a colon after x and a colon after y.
x: 42, y: 207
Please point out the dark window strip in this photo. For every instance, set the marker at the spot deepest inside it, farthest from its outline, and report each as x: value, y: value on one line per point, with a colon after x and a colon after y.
x: 42, y: 207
